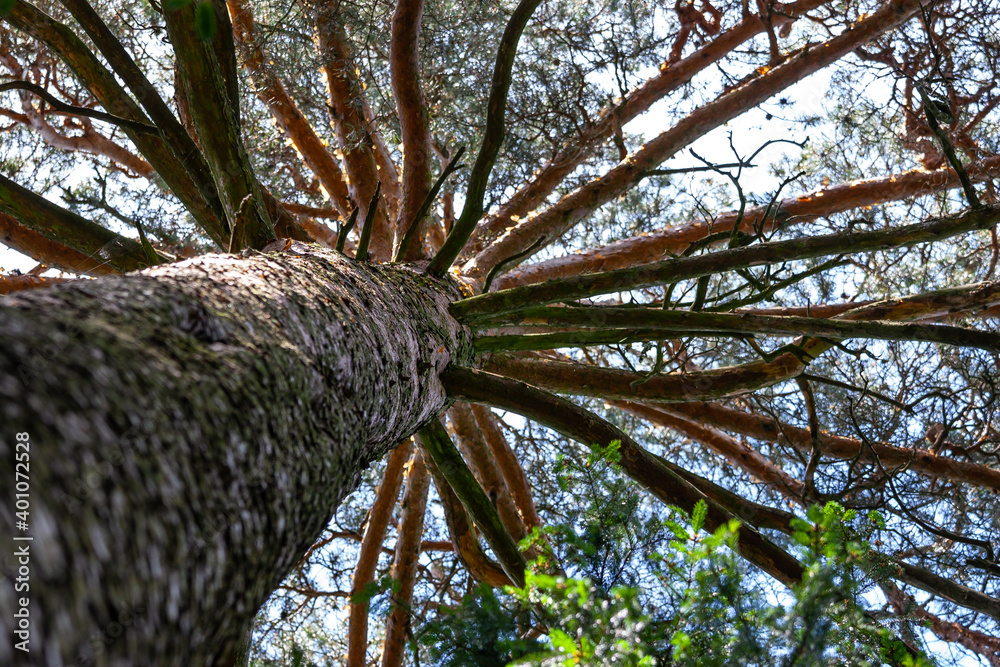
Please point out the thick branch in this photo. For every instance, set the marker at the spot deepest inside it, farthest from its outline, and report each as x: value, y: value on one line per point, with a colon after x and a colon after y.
x: 735, y: 452
x: 216, y: 120
x: 411, y: 528
x: 414, y: 127
x: 686, y: 268
x: 671, y: 77
x: 464, y: 536
x: 611, y: 383
x: 838, y: 447
x: 283, y: 108
x: 589, y: 429
x: 506, y: 460
x: 493, y: 137
x: 346, y: 106
x: 17, y: 283
x: 473, y: 445
x: 176, y: 160
x: 604, y: 325
x: 371, y: 546
x: 674, y: 240
x: 69, y: 229
x: 449, y: 462
x: 578, y: 205
x: 28, y: 242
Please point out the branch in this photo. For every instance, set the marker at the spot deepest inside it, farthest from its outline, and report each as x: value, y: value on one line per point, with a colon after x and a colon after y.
x: 609, y: 325
x: 685, y: 268
x: 411, y: 527
x: 371, y: 545
x: 414, y: 125
x: 414, y: 226
x: 578, y: 205
x: 286, y: 113
x: 62, y: 107
x: 356, y: 135
x: 789, y: 361
x: 15, y: 283
x: 449, y: 462
x: 675, y: 240
x: 492, y: 140
x: 184, y: 172
x: 203, y: 69
x: 670, y: 78
x: 69, y: 229
x: 673, y: 488
x: 466, y: 542
x: 836, y: 447
x: 28, y: 242
x: 737, y: 453
x: 506, y: 460
x: 473, y: 445
x: 589, y: 429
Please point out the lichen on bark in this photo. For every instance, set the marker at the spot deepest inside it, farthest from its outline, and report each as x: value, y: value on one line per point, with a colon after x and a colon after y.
x: 193, y: 428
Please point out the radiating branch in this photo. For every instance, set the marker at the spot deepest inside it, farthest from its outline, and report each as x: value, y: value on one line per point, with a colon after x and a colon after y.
x: 589, y: 429
x: 449, y: 462
x: 671, y: 77
x: 371, y: 545
x: 493, y: 137
x: 63, y: 107
x: 69, y: 229
x: 187, y: 176
x: 795, y: 210
x: 609, y: 325
x: 403, y: 572
x: 581, y: 203
x: 686, y: 268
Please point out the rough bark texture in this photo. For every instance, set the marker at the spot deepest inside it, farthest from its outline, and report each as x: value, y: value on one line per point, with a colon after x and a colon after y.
x: 192, y: 429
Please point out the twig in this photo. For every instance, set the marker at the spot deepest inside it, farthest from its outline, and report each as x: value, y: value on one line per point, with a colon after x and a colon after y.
x: 411, y: 231
x: 78, y: 111
x: 366, y: 232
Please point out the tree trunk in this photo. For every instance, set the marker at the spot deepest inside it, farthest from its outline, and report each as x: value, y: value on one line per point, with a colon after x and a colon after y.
x: 192, y: 429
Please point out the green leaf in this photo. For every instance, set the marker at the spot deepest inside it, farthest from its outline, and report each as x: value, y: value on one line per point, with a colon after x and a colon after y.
x: 562, y: 641
x: 204, y: 20
x: 698, y: 516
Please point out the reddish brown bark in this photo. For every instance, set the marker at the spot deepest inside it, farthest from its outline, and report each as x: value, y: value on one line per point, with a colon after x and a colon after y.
x: 506, y: 460
x: 29, y: 242
x: 737, y: 453
x: 285, y: 112
x: 653, y: 246
x: 672, y: 76
x: 346, y: 106
x: 404, y: 63
x: 404, y: 571
x: 978, y: 642
x: 17, y: 283
x: 839, y: 447
x: 465, y: 537
x: 576, y: 206
x: 476, y: 451
x: 611, y: 383
x: 371, y: 546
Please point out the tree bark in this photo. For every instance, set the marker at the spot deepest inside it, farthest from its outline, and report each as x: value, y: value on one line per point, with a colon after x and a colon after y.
x: 192, y: 429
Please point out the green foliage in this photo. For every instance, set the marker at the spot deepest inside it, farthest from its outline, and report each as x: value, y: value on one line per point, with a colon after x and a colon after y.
x: 708, y: 612
x: 482, y: 632
x: 6, y: 6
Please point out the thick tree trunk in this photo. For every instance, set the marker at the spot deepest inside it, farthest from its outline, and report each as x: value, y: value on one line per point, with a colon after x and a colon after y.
x: 192, y: 428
